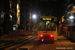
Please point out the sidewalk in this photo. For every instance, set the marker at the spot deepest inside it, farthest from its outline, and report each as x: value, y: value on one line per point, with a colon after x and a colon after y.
x: 61, y: 38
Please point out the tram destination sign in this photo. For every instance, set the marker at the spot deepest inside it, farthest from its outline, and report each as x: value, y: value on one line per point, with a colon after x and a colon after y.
x: 47, y: 19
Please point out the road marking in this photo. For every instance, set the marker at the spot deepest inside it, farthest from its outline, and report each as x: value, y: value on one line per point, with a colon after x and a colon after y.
x: 39, y: 47
x: 45, y: 47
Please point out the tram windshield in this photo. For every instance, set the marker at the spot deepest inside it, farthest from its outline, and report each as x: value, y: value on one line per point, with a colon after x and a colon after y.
x: 46, y: 26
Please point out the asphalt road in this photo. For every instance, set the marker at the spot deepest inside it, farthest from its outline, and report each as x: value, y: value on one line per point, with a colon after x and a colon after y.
x: 60, y: 44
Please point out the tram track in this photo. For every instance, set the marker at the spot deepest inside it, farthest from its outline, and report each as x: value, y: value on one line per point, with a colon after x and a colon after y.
x: 14, y: 43
x: 23, y: 43
x: 10, y: 41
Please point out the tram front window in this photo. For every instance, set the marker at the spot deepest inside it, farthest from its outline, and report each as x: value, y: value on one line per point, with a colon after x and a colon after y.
x: 46, y: 26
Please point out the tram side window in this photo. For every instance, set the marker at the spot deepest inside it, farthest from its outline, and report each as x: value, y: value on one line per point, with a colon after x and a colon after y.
x: 41, y: 26
x: 53, y: 26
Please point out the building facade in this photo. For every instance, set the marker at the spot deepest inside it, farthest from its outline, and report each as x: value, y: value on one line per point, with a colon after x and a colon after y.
x: 9, y: 15
x: 70, y: 15
x: 28, y: 8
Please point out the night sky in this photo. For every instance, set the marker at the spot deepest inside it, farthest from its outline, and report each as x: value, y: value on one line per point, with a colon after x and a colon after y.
x: 57, y: 8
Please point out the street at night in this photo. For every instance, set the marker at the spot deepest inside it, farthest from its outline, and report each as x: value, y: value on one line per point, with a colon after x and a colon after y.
x: 61, y: 44
x: 37, y: 25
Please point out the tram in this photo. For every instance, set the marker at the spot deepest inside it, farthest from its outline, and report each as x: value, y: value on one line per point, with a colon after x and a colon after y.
x: 47, y: 28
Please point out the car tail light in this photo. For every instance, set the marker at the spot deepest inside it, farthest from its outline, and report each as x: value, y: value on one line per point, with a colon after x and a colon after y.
x: 51, y: 35
x: 41, y: 35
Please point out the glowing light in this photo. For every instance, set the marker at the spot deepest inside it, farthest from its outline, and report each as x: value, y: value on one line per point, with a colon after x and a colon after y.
x: 10, y: 16
x: 34, y: 16
x: 47, y: 19
x: 17, y: 6
x: 41, y: 35
x: 62, y: 18
x: 14, y: 28
x: 51, y: 35
x: 18, y: 10
x: 42, y: 40
x: 71, y: 17
x: 18, y: 14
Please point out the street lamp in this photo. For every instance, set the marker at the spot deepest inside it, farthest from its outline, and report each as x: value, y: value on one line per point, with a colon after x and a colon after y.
x: 34, y: 16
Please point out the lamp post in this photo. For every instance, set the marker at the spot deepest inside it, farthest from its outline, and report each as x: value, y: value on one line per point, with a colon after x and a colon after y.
x: 34, y: 17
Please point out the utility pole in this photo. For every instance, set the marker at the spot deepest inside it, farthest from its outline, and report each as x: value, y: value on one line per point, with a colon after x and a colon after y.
x: 6, y: 26
x: 30, y: 17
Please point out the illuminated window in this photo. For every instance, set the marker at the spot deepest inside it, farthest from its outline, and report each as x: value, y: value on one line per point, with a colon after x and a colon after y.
x: 14, y: 28
x: 10, y: 4
x: 2, y: 14
x: 17, y: 6
x: 10, y: 16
